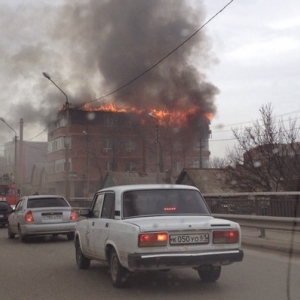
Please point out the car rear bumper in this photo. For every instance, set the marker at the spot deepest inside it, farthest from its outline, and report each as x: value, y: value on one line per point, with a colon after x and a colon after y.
x: 149, y: 261
x: 44, y: 229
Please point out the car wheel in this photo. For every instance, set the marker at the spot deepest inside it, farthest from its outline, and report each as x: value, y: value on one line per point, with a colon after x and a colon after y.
x: 209, y: 273
x: 20, y: 235
x: 70, y: 236
x: 117, y: 272
x: 82, y: 261
x: 10, y: 234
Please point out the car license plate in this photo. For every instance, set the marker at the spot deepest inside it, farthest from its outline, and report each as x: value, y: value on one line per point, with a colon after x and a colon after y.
x: 188, y: 239
x: 51, y: 217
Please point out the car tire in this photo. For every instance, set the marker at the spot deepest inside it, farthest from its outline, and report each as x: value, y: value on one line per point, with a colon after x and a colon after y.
x: 71, y: 236
x: 117, y: 272
x: 9, y: 233
x: 82, y: 261
x: 209, y: 273
x: 20, y: 235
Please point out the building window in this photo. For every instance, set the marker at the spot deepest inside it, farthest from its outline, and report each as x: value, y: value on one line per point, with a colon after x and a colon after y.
x: 109, y: 166
x: 62, y: 122
x: 57, y: 144
x: 107, y: 145
x: 128, y: 123
x: 204, y: 144
x: 51, y: 168
x: 196, y: 163
x: 130, y: 146
x: 110, y: 121
x: 131, y: 166
x: 178, y: 166
x: 59, y: 165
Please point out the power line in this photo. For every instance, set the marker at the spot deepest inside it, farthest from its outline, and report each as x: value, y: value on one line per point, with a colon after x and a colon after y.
x: 276, y: 116
x: 152, y: 67
x: 232, y: 139
x: 162, y: 59
x: 42, y: 131
x: 251, y: 123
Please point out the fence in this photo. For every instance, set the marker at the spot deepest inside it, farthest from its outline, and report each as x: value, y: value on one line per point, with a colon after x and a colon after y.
x: 275, y: 204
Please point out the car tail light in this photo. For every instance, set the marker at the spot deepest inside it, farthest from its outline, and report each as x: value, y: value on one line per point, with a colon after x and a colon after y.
x: 226, y: 237
x: 157, y: 239
x: 29, y: 217
x: 73, y: 216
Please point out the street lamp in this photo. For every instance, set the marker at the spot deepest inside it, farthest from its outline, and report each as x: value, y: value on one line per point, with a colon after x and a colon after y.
x: 67, y: 165
x: 15, y: 139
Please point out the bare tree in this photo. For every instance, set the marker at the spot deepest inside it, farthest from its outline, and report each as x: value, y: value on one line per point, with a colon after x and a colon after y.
x: 219, y: 162
x: 266, y: 157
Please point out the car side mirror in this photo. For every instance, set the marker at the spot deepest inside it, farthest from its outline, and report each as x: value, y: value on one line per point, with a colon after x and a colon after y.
x: 84, y: 212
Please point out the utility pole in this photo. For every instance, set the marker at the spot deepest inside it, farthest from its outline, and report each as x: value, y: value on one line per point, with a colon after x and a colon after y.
x: 87, y: 163
x: 21, y: 155
x: 16, y: 151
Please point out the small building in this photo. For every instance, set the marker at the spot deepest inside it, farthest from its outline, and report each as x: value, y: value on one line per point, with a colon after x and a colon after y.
x: 208, y: 181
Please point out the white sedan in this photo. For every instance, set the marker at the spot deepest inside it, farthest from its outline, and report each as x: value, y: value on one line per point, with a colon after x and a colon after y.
x: 42, y: 215
x: 155, y: 227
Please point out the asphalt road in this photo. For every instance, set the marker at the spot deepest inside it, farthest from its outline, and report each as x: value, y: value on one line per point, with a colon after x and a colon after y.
x: 45, y: 268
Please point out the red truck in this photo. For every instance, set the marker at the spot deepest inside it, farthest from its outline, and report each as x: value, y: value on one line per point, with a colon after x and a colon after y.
x: 8, y: 191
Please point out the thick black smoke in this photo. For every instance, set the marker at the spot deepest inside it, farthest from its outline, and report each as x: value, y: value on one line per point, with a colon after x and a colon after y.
x: 93, y: 47
x: 124, y: 38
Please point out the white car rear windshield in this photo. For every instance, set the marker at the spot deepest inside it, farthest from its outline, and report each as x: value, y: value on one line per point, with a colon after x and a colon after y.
x: 46, y: 202
x: 163, y: 202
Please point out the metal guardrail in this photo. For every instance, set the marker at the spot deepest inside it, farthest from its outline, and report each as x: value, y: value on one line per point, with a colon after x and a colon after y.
x: 274, y: 233
x: 263, y: 223
x: 275, y: 204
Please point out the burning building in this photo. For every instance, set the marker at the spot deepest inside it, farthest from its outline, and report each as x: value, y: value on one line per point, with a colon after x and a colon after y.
x: 161, y: 101
x: 108, y: 138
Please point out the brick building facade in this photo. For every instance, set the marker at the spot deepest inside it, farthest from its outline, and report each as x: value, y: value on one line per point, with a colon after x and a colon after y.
x: 102, y: 141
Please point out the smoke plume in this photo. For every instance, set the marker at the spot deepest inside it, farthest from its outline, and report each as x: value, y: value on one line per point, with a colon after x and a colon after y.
x: 91, y: 48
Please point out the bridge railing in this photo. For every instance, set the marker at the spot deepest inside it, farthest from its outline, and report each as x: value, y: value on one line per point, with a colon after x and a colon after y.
x: 275, y: 204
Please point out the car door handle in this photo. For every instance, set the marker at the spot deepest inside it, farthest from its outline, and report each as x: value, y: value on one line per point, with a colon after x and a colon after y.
x: 107, y: 225
x: 93, y: 223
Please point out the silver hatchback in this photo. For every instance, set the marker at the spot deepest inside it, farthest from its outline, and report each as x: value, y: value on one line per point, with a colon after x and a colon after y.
x: 42, y: 215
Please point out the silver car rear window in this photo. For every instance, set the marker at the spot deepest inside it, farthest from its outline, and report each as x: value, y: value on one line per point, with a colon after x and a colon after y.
x: 46, y: 202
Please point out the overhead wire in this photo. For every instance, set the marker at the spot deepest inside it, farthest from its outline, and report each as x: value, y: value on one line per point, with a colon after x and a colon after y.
x: 153, y: 66
x: 162, y: 59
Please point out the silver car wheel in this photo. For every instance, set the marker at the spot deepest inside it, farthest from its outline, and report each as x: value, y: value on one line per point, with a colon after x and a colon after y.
x: 20, y: 235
